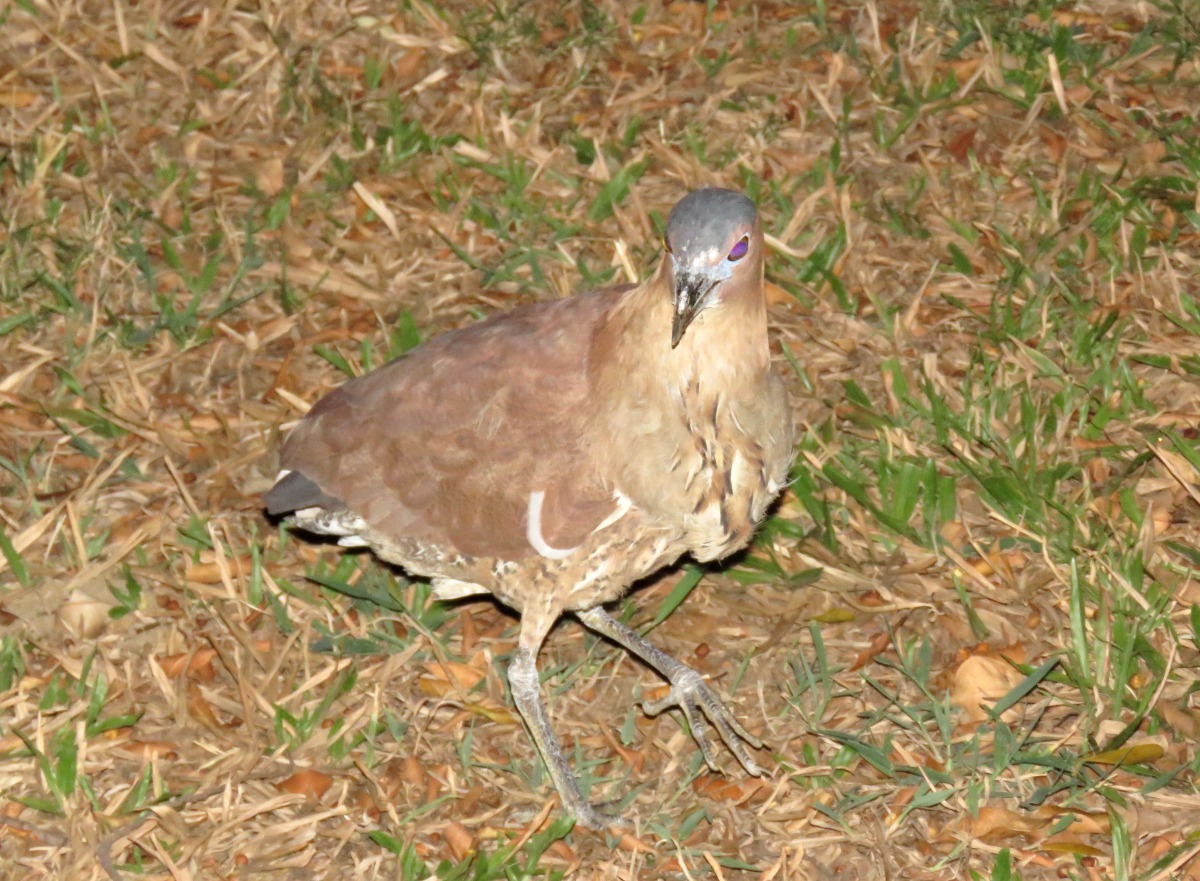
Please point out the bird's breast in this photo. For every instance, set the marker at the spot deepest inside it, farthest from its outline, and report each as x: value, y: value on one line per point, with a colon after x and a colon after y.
x: 728, y: 501
x: 736, y: 468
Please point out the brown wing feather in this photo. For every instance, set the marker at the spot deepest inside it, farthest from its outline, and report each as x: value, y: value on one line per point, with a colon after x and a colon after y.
x: 446, y: 444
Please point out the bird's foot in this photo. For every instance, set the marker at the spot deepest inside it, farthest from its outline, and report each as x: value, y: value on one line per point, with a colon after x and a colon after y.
x: 693, y: 695
x: 597, y: 817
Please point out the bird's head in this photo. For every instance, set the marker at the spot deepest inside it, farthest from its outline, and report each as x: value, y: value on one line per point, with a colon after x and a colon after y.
x: 714, y: 249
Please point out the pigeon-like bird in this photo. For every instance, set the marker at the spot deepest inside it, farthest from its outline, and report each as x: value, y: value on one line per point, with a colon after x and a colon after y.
x: 554, y: 455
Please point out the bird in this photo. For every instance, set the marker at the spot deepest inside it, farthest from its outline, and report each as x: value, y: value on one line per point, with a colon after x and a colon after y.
x: 555, y: 454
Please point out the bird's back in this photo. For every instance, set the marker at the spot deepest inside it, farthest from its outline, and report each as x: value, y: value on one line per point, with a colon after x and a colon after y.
x: 446, y: 445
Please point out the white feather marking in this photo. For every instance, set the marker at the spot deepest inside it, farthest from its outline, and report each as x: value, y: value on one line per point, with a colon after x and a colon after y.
x: 593, y: 575
x: 533, y: 530
x: 352, y: 541
x: 453, y: 589
x: 624, y: 503
x: 739, y: 472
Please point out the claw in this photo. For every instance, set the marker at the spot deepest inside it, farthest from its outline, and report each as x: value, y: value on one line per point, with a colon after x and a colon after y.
x: 693, y: 695
x: 594, y: 817
x: 688, y: 691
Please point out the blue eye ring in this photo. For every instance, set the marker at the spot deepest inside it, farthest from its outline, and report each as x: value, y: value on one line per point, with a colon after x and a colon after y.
x: 739, y: 250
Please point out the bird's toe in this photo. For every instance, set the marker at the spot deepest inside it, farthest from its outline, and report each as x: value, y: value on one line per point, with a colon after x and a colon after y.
x: 597, y: 817
x: 698, y: 701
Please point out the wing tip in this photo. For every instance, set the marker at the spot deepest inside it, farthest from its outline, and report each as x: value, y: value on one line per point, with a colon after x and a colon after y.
x: 293, y: 491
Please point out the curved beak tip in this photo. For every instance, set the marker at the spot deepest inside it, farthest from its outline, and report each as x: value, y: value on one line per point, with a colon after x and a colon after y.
x: 689, y: 301
x: 678, y: 326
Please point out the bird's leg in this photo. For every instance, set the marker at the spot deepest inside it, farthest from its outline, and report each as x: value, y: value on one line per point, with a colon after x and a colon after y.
x: 527, y: 695
x: 688, y: 690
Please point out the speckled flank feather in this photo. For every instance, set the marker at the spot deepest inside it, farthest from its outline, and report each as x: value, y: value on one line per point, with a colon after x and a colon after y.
x: 554, y: 455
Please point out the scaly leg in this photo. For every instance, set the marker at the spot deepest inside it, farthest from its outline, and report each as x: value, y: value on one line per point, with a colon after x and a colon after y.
x: 526, y: 692
x: 689, y: 692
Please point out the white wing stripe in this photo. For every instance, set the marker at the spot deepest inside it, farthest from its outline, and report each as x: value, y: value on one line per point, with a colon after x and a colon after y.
x: 533, y: 530
x: 623, y: 505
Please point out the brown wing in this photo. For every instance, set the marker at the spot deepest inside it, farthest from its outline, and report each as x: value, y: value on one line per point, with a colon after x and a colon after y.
x: 447, y: 444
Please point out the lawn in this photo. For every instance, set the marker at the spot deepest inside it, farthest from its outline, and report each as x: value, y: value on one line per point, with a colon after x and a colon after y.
x: 969, y: 635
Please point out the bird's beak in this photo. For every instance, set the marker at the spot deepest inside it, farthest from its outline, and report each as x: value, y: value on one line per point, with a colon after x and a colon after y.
x: 690, y: 291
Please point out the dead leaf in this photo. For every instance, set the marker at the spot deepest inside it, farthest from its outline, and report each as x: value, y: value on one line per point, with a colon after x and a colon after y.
x: 1185, y: 721
x: 412, y: 772
x: 460, y: 840
x: 1056, y: 144
x: 1160, y: 846
x: 310, y: 783
x: 635, y: 758
x: 729, y: 789
x: 433, y: 788
x: 491, y: 712
x: 455, y: 674
x: 793, y: 161
x: 377, y: 206
x: 879, y: 643
x: 337, y: 69
x: 468, y: 632
x: 210, y: 573
x: 84, y: 615
x: 150, y: 749
x: 1133, y: 754
x: 198, y: 663
x: 835, y: 615
x: 994, y: 823
x: 1070, y: 844
x: 268, y: 175
x: 18, y: 98
x: 201, y: 709
x: 964, y: 68
x: 777, y: 296
x: 687, y: 13
x: 960, y: 144
x: 954, y: 533
x: 409, y: 64
x: 1082, y: 822
x: 563, y: 851
x: 979, y: 682
x: 631, y: 844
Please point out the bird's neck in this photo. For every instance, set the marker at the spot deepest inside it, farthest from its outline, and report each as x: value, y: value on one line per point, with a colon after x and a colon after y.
x: 725, y: 347
x: 665, y: 416
x: 722, y: 356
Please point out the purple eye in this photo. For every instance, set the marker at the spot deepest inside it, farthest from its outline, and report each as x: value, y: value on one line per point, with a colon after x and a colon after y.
x: 740, y: 249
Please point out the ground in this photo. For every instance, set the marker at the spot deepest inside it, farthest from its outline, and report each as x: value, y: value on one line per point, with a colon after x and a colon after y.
x: 969, y: 633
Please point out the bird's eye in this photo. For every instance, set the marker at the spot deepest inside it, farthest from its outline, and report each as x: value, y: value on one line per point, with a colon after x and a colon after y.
x: 740, y: 249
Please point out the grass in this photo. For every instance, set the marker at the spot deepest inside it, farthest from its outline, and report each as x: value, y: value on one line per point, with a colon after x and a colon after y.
x: 968, y: 635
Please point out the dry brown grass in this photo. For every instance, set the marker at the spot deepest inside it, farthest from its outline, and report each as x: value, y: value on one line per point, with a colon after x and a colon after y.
x: 141, y: 143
